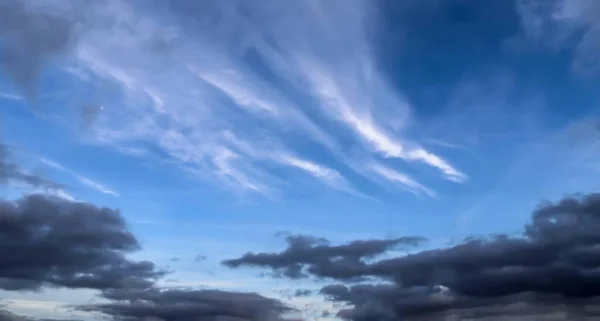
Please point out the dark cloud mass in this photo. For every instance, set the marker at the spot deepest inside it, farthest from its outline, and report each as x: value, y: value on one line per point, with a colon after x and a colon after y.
x: 51, y: 242
x: 550, y: 272
x: 57, y: 242
x: 8, y: 316
x: 318, y: 255
x: 184, y: 305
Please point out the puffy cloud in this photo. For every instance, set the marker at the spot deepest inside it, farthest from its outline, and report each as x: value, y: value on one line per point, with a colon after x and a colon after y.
x: 550, y: 271
x: 57, y: 242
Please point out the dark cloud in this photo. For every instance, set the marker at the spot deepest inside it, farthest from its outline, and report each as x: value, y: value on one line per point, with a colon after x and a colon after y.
x: 184, y: 305
x: 56, y: 242
x: 318, y: 255
x: 11, y: 172
x: 301, y: 292
x: 30, y: 36
x: 9, y: 316
x: 550, y: 270
x: 200, y: 258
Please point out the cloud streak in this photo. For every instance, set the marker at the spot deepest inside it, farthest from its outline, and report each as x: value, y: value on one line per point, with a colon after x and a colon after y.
x: 82, y: 179
x: 11, y: 172
x: 186, y: 79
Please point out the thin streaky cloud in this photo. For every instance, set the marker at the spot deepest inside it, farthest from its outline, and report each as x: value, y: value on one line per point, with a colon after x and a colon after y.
x: 277, y: 86
x: 82, y: 179
x: 9, y: 96
x: 403, y: 179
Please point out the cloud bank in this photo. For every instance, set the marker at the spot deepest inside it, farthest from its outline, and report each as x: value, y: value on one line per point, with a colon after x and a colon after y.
x: 550, y: 271
x: 59, y: 243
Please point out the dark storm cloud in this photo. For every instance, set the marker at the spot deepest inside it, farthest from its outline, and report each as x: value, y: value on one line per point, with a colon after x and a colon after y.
x: 11, y: 172
x: 318, y: 254
x: 184, y: 305
x: 49, y: 241
x: 31, y: 34
x: 553, y: 267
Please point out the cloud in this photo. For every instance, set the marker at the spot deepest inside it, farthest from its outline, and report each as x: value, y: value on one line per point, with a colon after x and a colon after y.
x: 318, y: 255
x: 278, y: 76
x: 187, y: 304
x: 13, y: 173
x: 84, y: 180
x: 396, y: 177
x: 552, y: 268
x: 58, y: 243
x: 61, y: 243
x: 9, y: 316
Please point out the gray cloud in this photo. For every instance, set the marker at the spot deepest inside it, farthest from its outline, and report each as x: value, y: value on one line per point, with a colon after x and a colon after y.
x: 188, y: 304
x: 318, y: 255
x: 56, y: 242
x: 302, y: 292
x: 550, y: 269
x: 11, y: 172
x: 9, y: 316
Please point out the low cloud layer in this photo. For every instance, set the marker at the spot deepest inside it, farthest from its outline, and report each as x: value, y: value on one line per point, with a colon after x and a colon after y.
x: 51, y: 242
x: 551, y: 270
x: 187, y: 304
x: 57, y: 242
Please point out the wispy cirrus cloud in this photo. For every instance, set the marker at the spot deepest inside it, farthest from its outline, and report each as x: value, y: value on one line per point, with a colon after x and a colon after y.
x: 406, y: 181
x: 82, y: 179
x: 295, y: 78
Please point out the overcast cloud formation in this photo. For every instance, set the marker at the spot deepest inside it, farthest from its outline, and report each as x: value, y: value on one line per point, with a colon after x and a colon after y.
x: 551, y: 268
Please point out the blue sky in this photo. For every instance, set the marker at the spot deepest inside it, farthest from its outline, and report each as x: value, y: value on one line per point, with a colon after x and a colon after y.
x: 214, y: 125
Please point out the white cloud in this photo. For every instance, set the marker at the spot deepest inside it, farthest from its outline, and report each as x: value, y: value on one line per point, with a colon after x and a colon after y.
x: 226, y: 97
x: 404, y: 180
x: 328, y: 175
x: 82, y: 179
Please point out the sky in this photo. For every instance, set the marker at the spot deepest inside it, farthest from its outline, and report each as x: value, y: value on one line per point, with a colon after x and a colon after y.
x: 233, y: 137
